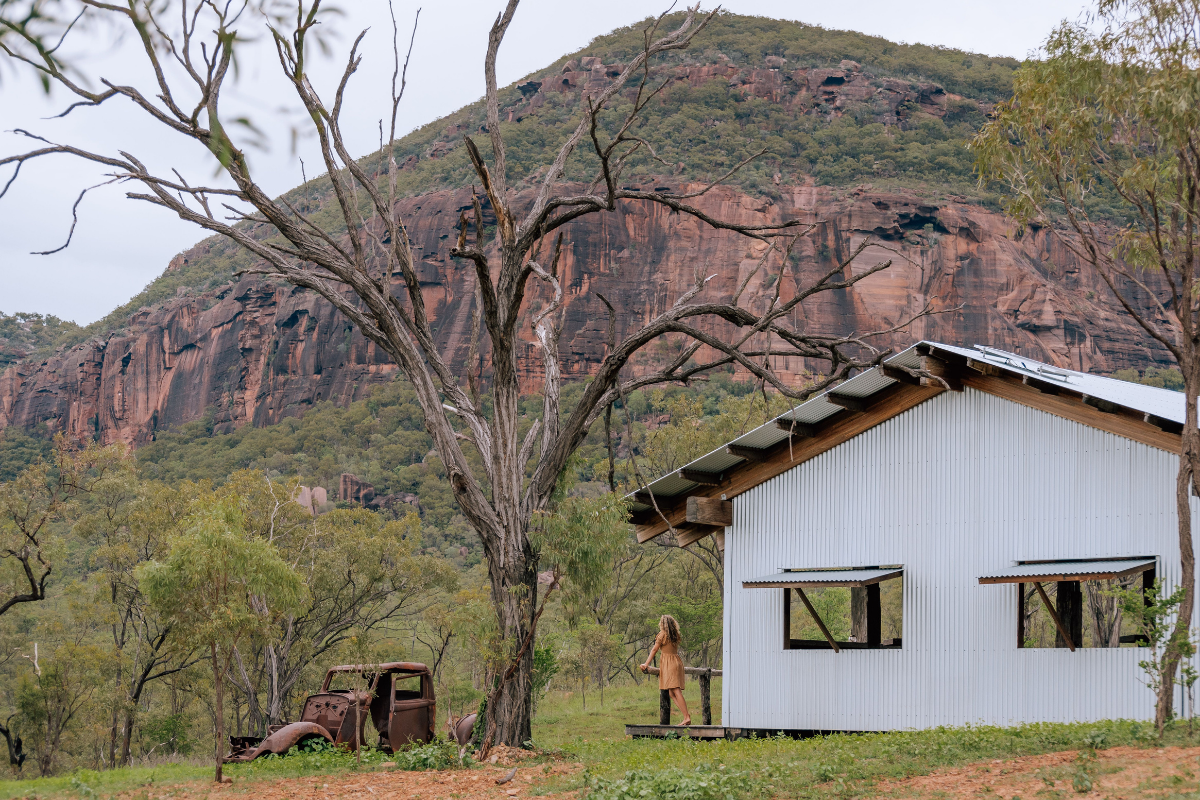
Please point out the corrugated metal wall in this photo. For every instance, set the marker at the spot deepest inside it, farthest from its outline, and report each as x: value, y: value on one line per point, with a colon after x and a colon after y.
x: 960, y: 485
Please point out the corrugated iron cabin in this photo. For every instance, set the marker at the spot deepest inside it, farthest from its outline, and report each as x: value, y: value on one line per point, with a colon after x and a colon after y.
x: 961, y: 502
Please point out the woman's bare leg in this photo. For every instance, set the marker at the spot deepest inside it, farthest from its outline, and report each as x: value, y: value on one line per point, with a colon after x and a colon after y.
x: 677, y: 696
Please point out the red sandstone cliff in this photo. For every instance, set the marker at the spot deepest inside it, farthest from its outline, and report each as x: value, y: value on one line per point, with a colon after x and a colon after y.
x: 256, y: 351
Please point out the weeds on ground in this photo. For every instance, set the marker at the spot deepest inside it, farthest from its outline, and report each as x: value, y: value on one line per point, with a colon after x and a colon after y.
x: 323, y: 757
x: 701, y: 783
x: 832, y: 766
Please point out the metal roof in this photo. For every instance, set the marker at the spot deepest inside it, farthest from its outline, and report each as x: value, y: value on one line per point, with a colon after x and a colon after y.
x: 1070, y: 570
x: 1163, y: 403
x: 819, y: 578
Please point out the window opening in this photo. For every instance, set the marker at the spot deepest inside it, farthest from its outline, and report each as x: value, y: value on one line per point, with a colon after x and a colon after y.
x: 1071, y: 604
x: 854, y: 608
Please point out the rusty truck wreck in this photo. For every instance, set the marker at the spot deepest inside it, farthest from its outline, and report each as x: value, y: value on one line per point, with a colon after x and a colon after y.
x: 401, y: 706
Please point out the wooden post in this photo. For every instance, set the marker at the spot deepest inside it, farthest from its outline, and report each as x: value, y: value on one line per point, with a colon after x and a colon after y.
x: 787, y: 618
x: 1020, y: 615
x: 706, y: 696
x: 1069, y: 602
x: 664, y: 707
x: 874, y: 616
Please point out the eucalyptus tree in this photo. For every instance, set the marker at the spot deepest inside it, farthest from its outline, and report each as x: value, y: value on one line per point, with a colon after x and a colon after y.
x: 219, y: 586
x: 502, y: 469
x: 1111, y: 116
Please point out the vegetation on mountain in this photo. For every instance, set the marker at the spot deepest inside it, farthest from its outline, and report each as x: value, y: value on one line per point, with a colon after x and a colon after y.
x: 23, y: 335
x: 703, y: 131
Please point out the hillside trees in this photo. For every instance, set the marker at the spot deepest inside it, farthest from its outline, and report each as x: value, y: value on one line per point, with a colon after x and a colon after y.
x: 219, y: 586
x: 129, y: 522
x: 1119, y: 110
x: 363, y: 573
x: 502, y: 466
x: 33, y: 505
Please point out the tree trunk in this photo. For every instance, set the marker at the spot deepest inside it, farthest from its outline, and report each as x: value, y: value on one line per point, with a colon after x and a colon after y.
x: 219, y: 707
x: 127, y: 736
x: 514, y: 592
x: 1187, y: 555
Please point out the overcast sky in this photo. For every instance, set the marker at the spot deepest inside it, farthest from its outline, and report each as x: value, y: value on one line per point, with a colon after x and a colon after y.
x: 121, y: 245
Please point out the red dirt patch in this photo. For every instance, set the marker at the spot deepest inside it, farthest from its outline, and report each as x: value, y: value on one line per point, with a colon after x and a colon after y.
x: 1116, y: 774
x: 460, y: 784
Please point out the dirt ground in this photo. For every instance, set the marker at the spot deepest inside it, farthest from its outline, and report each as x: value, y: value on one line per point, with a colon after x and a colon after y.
x: 1115, y: 774
x: 1120, y: 773
x: 464, y: 784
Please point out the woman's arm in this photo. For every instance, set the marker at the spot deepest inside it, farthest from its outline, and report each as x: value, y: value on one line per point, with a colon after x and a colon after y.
x: 650, y: 657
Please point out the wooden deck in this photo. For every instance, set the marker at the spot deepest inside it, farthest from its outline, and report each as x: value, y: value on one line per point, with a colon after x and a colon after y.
x: 680, y: 731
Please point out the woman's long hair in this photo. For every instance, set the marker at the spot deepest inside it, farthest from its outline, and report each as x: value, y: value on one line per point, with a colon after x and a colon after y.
x: 668, y: 625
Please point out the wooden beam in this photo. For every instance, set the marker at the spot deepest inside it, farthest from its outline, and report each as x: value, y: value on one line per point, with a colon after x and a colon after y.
x: 1163, y: 424
x: 897, y: 374
x: 709, y: 511
x: 1129, y: 424
x: 941, y: 369
x: 819, y: 584
x: 838, y: 430
x: 984, y: 368
x: 702, y: 478
x: 1054, y: 616
x: 690, y: 533
x: 817, y: 619
x: 1045, y: 387
x: 644, y: 496
x: 1059, y: 577
x: 1106, y: 406
x: 755, y: 454
x: 798, y: 430
x: 716, y: 673
x: 858, y: 405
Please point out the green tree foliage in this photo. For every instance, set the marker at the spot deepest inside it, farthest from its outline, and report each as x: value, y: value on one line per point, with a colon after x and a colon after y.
x: 31, y: 507
x: 1112, y: 114
x: 1160, y: 377
x: 1153, y: 611
x: 219, y: 586
x: 24, y: 334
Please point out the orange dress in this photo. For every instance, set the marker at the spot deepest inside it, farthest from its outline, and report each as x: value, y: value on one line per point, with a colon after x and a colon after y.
x: 670, y: 665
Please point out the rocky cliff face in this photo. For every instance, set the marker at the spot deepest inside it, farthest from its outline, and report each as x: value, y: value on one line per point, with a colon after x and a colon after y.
x: 255, y: 351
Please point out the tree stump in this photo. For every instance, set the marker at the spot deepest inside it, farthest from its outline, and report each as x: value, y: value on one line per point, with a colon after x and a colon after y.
x: 706, y: 696
x: 664, y: 707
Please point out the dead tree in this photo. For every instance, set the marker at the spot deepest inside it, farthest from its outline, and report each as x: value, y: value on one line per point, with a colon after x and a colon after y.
x: 367, y: 271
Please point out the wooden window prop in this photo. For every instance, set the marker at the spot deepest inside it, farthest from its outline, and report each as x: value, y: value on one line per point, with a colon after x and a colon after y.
x: 842, y: 615
x: 1055, y: 599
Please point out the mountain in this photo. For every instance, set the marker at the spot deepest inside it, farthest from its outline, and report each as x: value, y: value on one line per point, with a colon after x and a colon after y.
x: 865, y: 138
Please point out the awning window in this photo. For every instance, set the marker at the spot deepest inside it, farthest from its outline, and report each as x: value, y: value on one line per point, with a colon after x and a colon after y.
x: 824, y: 578
x: 863, y: 581
x: 1055, y: 571
x: 1070, y: 573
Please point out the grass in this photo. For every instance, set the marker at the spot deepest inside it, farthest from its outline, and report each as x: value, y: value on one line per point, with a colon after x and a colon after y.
x: 561, y: 718
x: 618, y: 768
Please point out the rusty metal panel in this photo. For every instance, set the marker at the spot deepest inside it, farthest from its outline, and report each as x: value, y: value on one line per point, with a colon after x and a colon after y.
x: 954, y: 488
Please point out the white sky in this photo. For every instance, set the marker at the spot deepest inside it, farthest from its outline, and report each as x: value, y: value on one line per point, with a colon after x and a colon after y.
x: 120, y: 245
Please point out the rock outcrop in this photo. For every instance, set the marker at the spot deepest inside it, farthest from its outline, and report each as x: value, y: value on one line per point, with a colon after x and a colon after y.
x: 256, y: 351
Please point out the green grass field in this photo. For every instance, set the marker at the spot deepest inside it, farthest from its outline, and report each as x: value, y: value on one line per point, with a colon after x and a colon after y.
x: 618, y: 768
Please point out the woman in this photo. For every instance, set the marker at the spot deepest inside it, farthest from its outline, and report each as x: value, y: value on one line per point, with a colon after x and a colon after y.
x: 670, y: 673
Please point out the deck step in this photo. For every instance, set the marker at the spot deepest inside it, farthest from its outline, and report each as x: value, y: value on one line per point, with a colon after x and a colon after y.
x: 680, y: 731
